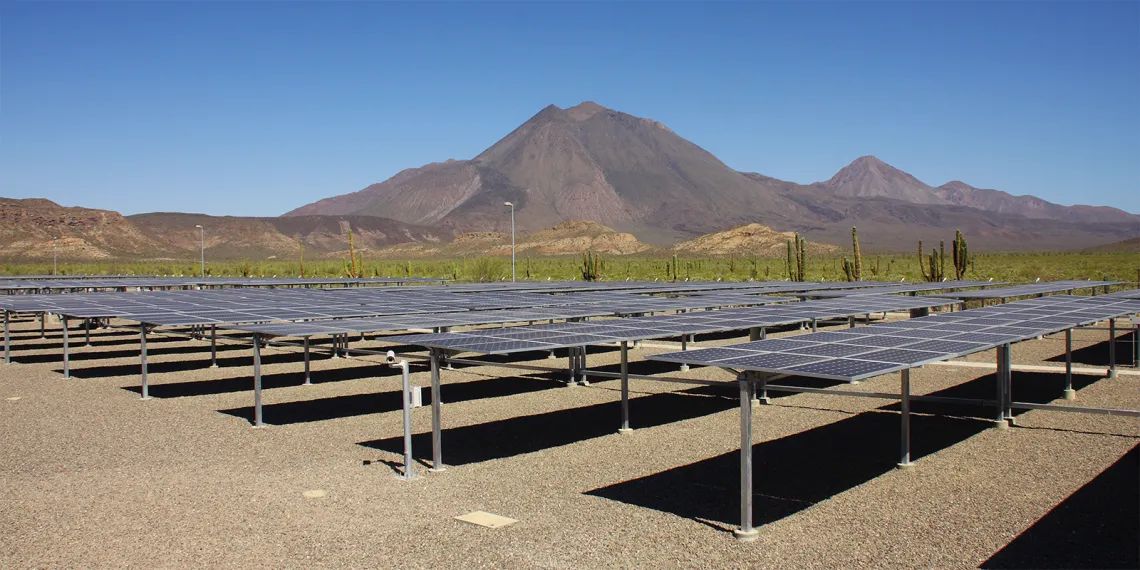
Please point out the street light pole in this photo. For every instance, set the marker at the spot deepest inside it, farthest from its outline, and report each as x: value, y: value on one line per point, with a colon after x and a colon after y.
x: 512, y: 206
x: 202, y: 234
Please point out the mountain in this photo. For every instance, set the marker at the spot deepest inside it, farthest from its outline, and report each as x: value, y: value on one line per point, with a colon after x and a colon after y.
x: 28, y: 228
x: 582, y: 163
x: 636, y: 175
x: 962, y: 194
x: 567, y: 238
x: 869, y: 177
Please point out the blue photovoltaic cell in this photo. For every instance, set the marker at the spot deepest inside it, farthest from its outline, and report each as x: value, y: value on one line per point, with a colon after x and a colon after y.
x: 923, y: 333
x: 947, y: 346
x: 704, y: 355
x: 492, y: 346
x: 983, y: 338
x: 770, y: 361
x: 1011, y: 330
x: 832, y: 349
x: 845, y: 369
x: 774, y: 345
x: 837, y: 336
x: 901, y: 356
x: 882, y: 341
x: 908, y: 324
x: 957, y: 327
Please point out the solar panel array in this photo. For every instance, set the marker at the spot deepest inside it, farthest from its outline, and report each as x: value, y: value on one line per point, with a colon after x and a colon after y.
x: 1030, y: 289
x: 547, y: 337
x: 900, y: 288
x: 854, y: 354
x: 103, y: 282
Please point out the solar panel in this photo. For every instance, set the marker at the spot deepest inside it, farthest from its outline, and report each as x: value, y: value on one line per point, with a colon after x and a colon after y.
x: 705, y: 355
x: 768, y: 361
x: 902, y: 356
x: 881, y: 341
x: 946, y: 346
x: 844, y: 369
x: 775, y: 345
x: 832, y: 349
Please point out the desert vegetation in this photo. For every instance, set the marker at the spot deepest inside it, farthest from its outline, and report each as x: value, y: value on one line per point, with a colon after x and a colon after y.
x: 1011, y: 267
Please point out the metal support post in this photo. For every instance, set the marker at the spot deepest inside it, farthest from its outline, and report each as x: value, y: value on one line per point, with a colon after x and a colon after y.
x: 1111, y: 347
x: 1070, y: 393
x: 213, y: 346
x: 257, y: 380
x: 142, y: 361
x: 407, y: 392
x: 7, y: 341
x: 684, y: 346
x: 87, y: 332
x: 624, y: 429
x: 436, y: 435
x: 1007, y: 361
x: 572, y: 364
x: 813, y: 325
x: 904, y: 461
x: 307, y: 381
x: 746, y: 532
x: 66, y: 364
x: 999, y: 401
x: 760, y: 391
x: 582, y: 366
x: 42, y: 315
x: 851, y: 321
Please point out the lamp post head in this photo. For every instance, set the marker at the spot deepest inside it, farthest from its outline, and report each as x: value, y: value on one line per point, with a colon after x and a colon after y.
x: 199, y: 226
x: 508, y: 204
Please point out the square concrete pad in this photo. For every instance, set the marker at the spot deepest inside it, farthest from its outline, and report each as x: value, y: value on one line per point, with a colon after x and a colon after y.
x: 488, y: 520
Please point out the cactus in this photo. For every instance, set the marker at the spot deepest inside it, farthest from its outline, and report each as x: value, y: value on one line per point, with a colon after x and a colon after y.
x: 791, y: 270
x: 301, y: 244
x: 849, y: 269
x: 674, y: 267
x: 357, y: 263
x: 591, y: 266
x: 941, y: 260
x: 858, y: 256
x: 803, y: 257
x: 961, y: 256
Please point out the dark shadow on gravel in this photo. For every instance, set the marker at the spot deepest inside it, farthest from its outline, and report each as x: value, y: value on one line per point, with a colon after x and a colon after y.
x: 1031, y: 387
x: 791, y: 473
x: 1098, y: 526
x: 526, y: 434
x: 79, y: 353
x: 797, y: 471
x: 268, y: 381
x: 361, y: 404
x: 1097, y: 354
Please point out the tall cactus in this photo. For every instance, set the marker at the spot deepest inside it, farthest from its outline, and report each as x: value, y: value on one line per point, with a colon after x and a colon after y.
x: 356, y: 262
x: 921, y: 264
x: 802, y: 255
x: 961, y: 256
x: 791, y: 257
x: 674, y: 267
x: 301, y: 244
x: 591, y: 266
x: 941, y: 260
x: 849, y: 269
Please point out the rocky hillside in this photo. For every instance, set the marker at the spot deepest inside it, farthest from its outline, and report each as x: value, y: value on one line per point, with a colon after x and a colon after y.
x: 962, y: 194
x: 747, y: 241
x: 29, y: 227
x: 567, y: 238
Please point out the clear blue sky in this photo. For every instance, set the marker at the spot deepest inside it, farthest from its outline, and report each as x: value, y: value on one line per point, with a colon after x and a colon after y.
x: 256, y: 108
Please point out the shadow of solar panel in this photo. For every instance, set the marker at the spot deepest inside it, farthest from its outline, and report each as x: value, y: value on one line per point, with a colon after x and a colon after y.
x: 769, y: 361
x: 832, y: 350
x: 844, y: 369
x: 775, y: 344
x: 903, y: 356
x: 704, y: 355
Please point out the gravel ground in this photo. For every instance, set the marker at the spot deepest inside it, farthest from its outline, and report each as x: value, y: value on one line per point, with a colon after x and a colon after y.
x: 93, y: 477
